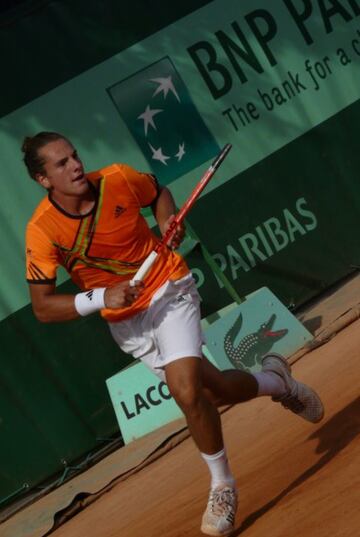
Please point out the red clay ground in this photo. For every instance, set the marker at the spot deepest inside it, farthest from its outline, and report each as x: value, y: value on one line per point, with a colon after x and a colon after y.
x: 294, y: 478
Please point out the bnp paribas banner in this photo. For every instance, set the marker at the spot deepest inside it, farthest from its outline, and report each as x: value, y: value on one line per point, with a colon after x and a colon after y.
x: 278, y: 80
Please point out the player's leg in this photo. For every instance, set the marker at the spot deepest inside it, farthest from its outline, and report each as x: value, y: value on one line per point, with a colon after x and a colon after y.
x: 235, y: 386
x: 167, y: 338
x: 185, y: 382
x: 275, y: 380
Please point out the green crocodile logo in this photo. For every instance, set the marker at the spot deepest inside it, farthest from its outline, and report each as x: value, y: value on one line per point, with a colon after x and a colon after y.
x: 251, y: 347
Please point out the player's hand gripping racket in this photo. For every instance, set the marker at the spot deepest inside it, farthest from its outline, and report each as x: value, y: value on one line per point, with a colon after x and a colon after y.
x: 151, y: 258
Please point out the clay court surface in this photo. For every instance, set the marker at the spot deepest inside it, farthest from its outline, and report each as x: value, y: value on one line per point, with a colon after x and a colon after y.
x: 294, y: 478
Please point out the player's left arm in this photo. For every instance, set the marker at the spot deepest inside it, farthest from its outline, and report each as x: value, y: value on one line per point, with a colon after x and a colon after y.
x: 164, y: 210
x: 149, y: 193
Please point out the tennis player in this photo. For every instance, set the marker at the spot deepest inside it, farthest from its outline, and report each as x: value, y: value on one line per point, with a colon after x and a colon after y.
x: 91, y: 224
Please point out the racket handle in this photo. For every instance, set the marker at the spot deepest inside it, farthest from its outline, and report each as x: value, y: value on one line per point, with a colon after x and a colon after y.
x: 144, y: 268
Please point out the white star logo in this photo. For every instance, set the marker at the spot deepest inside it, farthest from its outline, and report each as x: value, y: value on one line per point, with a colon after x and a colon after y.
x: 165, y: 85
x: 181, y: 151
x: 157, y: 154
x: 147, y: 116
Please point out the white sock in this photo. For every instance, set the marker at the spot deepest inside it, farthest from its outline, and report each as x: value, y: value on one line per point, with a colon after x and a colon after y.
x: 219, y: 469
x: 270, y: 384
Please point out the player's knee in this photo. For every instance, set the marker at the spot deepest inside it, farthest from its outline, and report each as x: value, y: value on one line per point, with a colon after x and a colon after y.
x: 187, y: 396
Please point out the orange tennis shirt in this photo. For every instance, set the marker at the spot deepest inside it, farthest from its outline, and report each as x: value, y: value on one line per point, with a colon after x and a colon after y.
x: 107, y: 245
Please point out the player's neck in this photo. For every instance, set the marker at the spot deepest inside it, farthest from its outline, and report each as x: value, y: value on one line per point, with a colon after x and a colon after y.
x: 75, y: 205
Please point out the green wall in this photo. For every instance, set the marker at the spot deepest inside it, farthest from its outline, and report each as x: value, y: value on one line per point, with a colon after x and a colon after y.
x: 296, y: 218
x: 278, y: 82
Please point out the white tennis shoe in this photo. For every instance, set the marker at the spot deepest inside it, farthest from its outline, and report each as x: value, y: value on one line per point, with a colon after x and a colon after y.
x: 300, y: 398
x: 219, y: 516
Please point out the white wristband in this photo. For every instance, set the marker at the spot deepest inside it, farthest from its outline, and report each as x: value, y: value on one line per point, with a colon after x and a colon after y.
x: 90, y: 301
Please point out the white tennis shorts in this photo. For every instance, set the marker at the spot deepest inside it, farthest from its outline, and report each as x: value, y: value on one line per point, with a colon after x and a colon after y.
x: 167, y: 330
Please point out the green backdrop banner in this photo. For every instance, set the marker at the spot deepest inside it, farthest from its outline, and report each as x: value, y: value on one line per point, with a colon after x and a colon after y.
x: 54, y: 403
x: 257, y: 78
x: 279, y: 80
x: 294, y: 216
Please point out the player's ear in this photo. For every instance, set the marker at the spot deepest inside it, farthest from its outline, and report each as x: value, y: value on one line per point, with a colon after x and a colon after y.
x: 42, y: 180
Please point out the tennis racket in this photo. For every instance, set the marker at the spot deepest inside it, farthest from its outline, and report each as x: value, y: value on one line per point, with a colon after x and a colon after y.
x: 150, y: 260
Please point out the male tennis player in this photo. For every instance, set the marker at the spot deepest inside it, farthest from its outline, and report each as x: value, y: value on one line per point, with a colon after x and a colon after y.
x: 91, y: 224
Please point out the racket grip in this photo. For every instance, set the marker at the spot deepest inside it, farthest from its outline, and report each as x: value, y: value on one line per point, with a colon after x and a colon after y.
x: 144, y: 268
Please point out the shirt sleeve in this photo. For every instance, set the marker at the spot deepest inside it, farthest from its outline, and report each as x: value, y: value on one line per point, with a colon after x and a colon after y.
x: 41, y: 257
x: 144, y: 186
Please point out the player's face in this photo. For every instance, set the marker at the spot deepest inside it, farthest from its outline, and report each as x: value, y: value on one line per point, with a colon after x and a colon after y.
x: 63, y: 170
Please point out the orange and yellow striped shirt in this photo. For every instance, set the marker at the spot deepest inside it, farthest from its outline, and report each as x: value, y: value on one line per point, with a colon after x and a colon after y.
x: 107, y: 245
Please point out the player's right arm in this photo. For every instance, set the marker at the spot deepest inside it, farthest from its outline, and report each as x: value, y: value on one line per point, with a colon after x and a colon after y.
x: 50, y: 307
